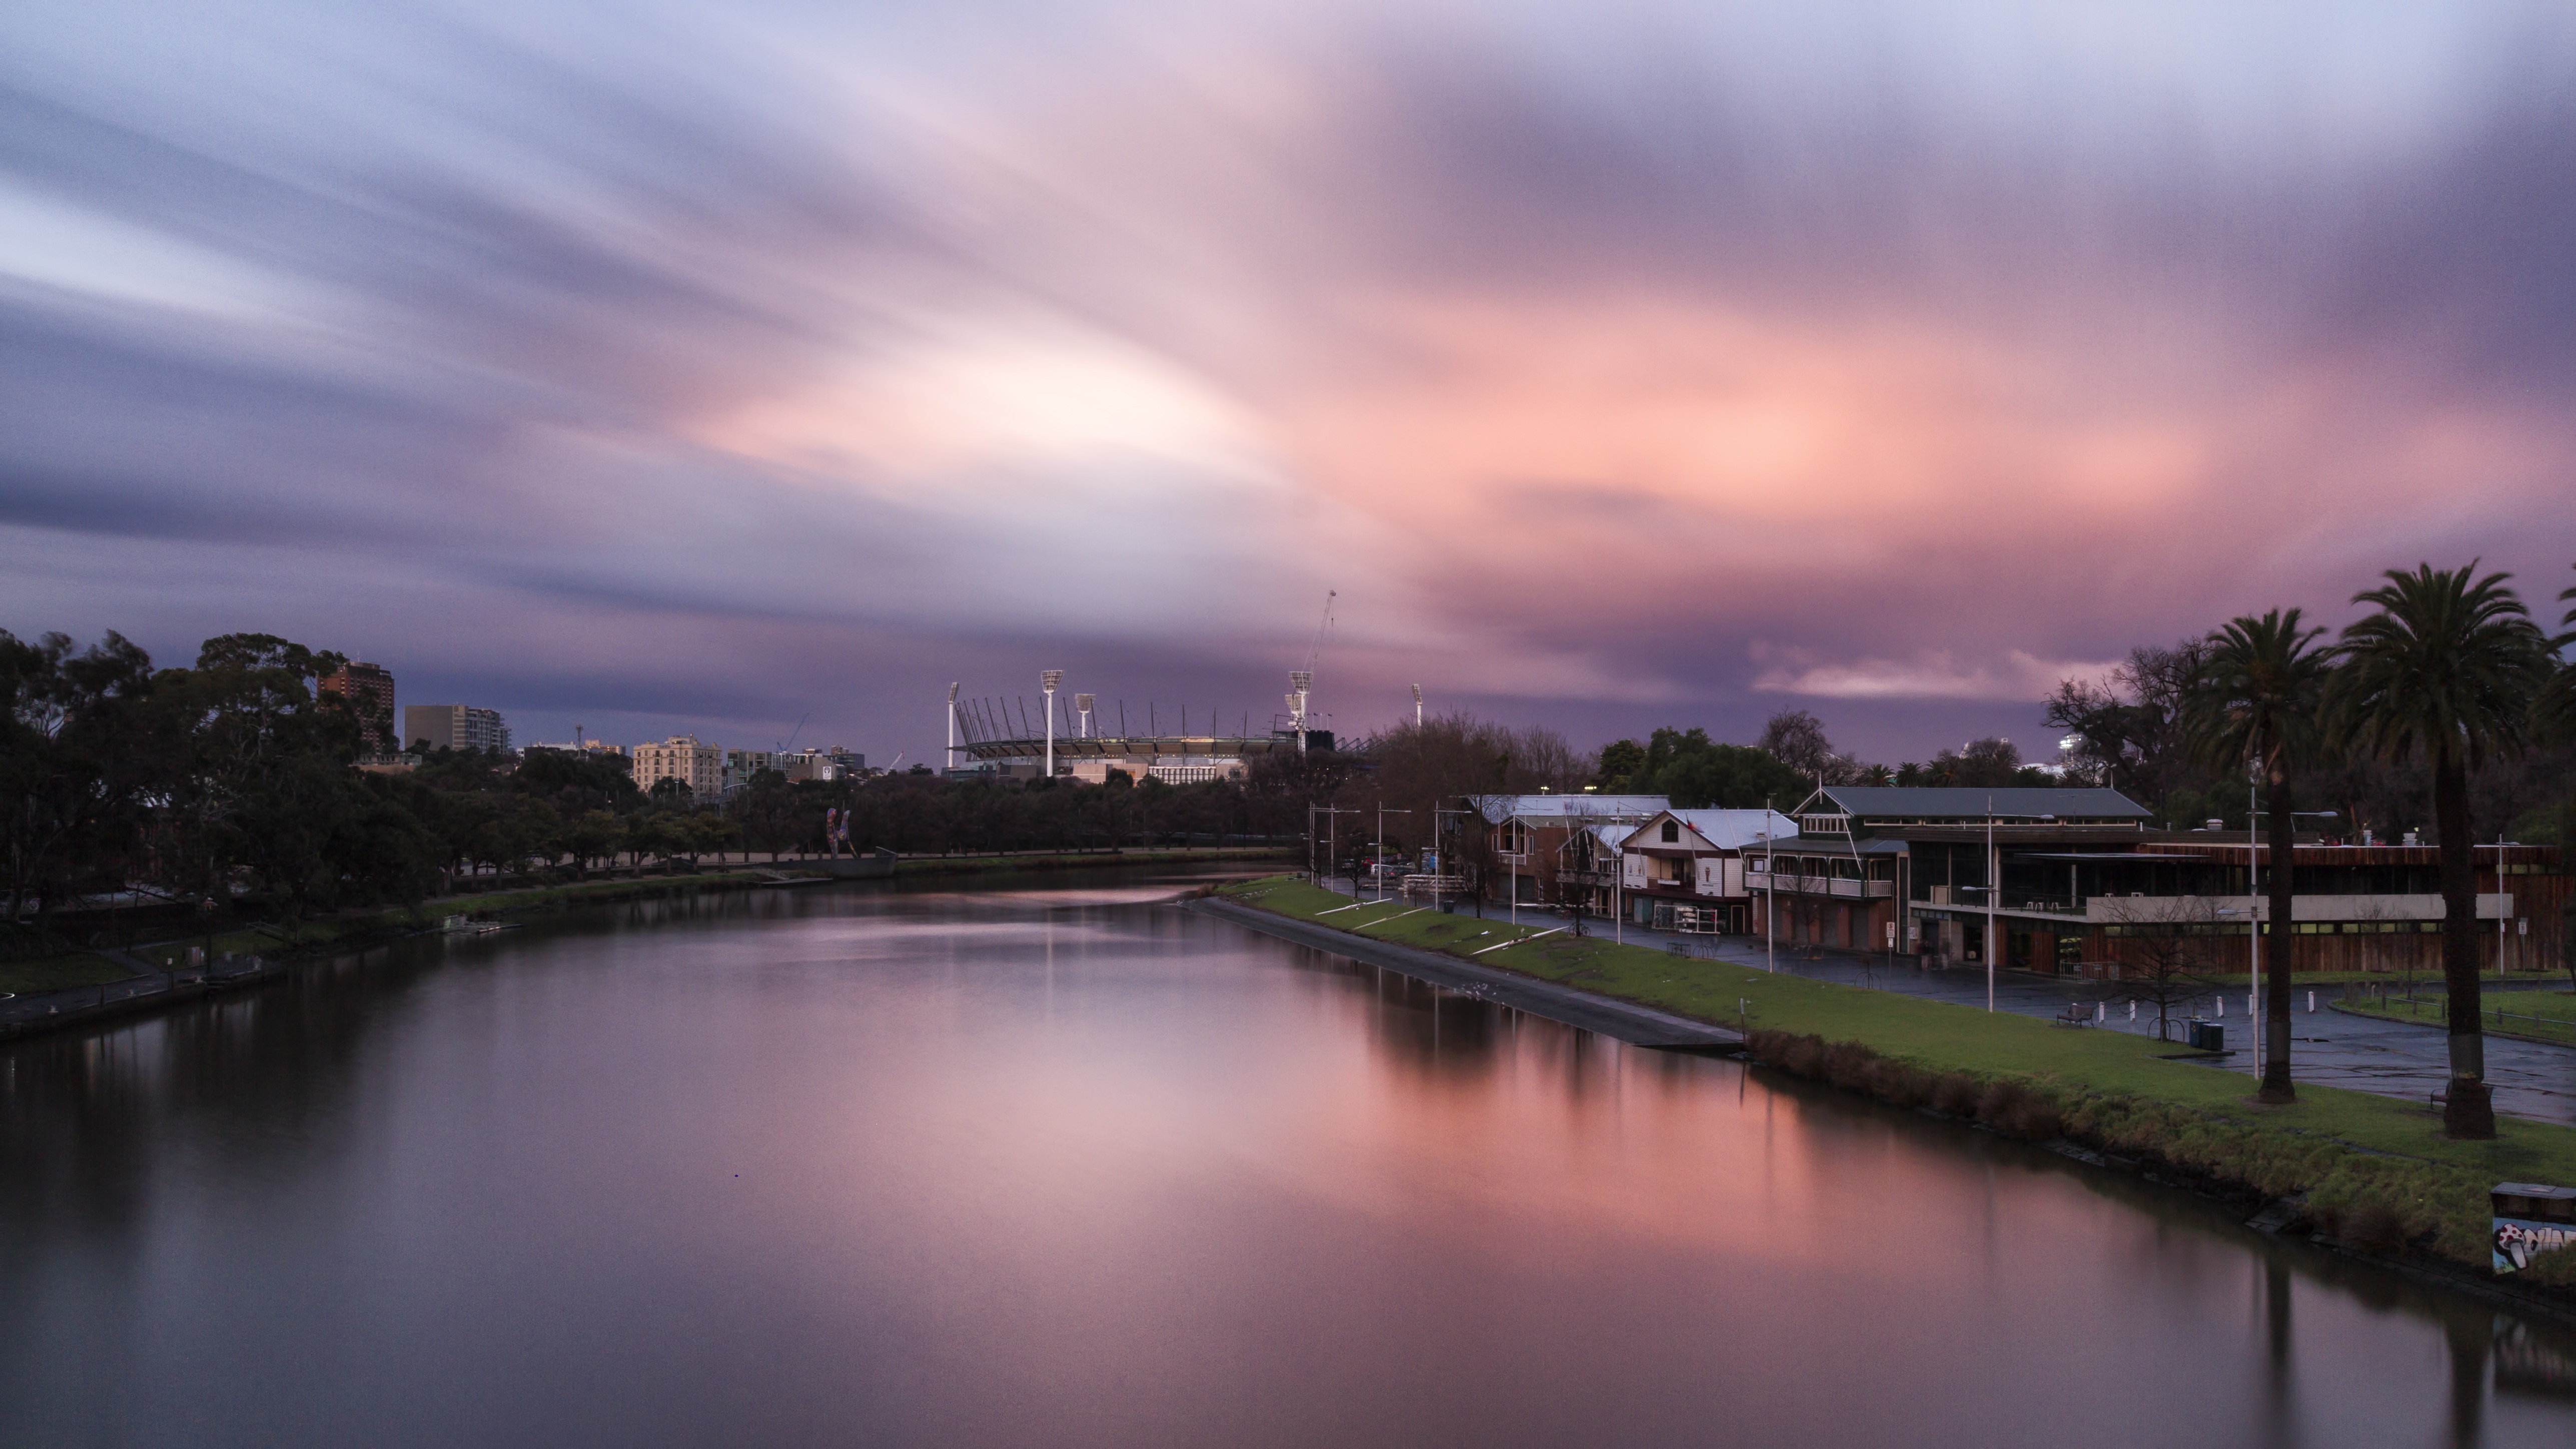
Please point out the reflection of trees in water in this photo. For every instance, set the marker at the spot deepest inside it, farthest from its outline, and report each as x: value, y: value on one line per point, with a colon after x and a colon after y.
x: 1435, y: 1031
x: 253, y: 1079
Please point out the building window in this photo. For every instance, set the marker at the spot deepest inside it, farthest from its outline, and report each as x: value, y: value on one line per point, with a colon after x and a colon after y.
x: 1672, y: 832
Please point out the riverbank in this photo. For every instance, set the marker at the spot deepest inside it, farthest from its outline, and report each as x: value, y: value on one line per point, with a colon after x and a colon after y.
x: 55, y: 993
x: 2541, y: 1016
x: 2371, y: 1175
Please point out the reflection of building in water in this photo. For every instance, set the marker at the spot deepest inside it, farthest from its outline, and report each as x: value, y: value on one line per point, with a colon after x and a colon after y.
x: 2526, y: 1363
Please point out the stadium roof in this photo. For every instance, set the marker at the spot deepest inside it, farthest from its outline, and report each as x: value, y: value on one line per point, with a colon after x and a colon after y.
x: 1961, y: 802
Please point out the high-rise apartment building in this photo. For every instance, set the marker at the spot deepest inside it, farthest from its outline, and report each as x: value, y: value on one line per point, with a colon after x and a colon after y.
x: 453, y: 727
x: 369, y: 688
x: 681, y: 758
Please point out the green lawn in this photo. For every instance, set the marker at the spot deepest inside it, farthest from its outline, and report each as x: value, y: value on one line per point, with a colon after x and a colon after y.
x: 2540, y: 1015
x: 2113, y: 1081
x: 53, y: 973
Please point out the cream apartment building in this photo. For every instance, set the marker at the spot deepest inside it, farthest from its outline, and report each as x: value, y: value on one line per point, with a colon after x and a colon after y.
x: 681, y: 758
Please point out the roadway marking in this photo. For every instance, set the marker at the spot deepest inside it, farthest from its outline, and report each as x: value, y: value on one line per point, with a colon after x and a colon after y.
x: 1517, y: 940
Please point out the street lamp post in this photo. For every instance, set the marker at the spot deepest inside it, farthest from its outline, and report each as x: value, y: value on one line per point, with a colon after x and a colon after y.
x: 1048, y: 679
x: 1378, y: 867
x: 1770, y: 893
x: 1994, y: 888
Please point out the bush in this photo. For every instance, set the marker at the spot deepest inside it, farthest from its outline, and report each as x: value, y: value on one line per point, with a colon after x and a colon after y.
x: 2016, y: 1111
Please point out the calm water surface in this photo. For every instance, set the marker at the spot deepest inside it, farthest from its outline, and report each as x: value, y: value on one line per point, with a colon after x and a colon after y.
x: 1062, y: 1166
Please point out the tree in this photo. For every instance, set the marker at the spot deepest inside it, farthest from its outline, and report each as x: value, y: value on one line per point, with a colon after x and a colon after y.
x: 76, y: 761
x: 1697, y: 773
x: 1619, y: 760
x: 2446, y: 670
x: 2164, y: 949
x: 2257, y: 703
x: 2557, y: 704
x: 2127, y: 727
x: 1797, y: 739
x: 1990, y: 763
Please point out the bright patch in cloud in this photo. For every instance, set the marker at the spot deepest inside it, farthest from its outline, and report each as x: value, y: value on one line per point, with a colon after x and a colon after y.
x: 1936, y: 675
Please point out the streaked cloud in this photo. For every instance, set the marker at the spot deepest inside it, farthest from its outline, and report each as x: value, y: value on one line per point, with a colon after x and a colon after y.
x: 1618, y: 363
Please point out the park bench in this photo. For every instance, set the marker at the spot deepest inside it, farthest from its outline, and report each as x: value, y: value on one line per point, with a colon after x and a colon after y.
x: 2075, y: 1014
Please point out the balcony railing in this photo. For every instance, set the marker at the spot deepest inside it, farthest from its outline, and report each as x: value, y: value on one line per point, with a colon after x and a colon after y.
x: 1819, y: 885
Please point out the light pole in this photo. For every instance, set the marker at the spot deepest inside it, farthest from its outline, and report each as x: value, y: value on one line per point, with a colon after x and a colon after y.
x: 1048, y: 679
x: 1770, y: 893
x: 1994, y: 889
x: 948, y: 761
x: 1082, y: 704
x: 1448, y: 858
x: 1377, y: 868
x: 1417, y: 706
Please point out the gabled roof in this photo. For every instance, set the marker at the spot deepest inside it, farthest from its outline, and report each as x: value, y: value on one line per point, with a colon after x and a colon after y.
x: 1499, y: 808
x: 1967, y: 802
x: 1726, y: 829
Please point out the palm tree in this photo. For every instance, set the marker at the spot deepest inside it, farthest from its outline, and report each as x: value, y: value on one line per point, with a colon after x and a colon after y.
x: 2447, y: 670
x: 2557, y: 709
x: 2258, y: 701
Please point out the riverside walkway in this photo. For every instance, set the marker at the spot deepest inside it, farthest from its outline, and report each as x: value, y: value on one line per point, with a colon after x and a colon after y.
x: 2531, y: 1080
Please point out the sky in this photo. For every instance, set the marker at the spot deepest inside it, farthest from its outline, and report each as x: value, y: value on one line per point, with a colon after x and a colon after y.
x: 763, y: 368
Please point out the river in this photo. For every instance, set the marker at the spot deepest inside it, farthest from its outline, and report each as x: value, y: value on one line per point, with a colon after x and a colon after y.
x: 1055, y: 1163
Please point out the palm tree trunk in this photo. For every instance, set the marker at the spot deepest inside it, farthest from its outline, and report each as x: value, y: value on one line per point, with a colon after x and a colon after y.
x: 2283, y: 930
x: 2470, y: 1113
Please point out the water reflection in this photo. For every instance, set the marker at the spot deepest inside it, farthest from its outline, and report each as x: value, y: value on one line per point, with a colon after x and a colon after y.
x: 1058, y: 1166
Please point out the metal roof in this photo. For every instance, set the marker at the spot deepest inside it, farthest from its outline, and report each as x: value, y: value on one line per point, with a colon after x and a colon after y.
x: 1733, y: 829
x: 1967, y: 802
x: 1499, y: 808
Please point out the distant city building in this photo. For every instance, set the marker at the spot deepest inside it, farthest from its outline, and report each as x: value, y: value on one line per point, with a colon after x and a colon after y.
x: 846, y: 761
x: 453, y: 727
x: 700, y: 767
x: 369, y: 688
x: 741, y: 765
x: 807, y: 765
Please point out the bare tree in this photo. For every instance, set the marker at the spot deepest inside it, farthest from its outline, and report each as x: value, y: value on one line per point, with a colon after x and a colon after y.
x: 2166, y: 942
x: 1797, y: 739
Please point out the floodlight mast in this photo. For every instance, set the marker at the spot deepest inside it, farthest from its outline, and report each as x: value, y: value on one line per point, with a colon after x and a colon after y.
x: 1417, y: 706
x: 1048, y: 679
x: 1082, y: 704
x: 1302, y: 681
x: 948, y: 761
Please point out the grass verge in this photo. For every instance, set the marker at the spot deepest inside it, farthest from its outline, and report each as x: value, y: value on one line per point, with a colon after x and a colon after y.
x: 2378, y: 1174
x: 2544, y: 1016
x: 57, y: 973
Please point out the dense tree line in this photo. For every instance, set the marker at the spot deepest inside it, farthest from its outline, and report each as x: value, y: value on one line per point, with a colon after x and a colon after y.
x: 236, y: 781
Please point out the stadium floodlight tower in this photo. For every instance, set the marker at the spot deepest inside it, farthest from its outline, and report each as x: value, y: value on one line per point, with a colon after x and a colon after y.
x: 1048, y: 679
x: 1302, y: 681
x: 1417, y: 706
x: 949, y: 761
x: 1082, y: 704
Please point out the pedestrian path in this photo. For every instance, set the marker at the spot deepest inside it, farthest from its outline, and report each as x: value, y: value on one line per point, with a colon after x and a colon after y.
x: 2531, y: 1080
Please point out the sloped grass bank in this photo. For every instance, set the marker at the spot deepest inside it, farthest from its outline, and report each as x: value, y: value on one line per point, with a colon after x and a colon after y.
x: 913, y: 865
x: 2378, y: 1175
x: 2543, y: 1016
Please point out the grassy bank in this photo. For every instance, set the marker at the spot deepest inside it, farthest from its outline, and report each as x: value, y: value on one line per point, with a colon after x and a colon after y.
x: 58, y: 973
x: 2545, y: 1016
x: 1086, y: 860
x: 2376, y: 1170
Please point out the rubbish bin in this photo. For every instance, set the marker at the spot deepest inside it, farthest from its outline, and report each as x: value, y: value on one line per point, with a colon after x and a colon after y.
x: 2206, y: 1036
